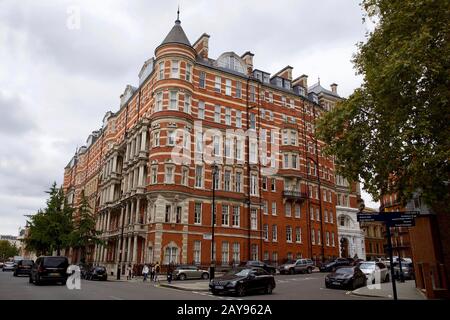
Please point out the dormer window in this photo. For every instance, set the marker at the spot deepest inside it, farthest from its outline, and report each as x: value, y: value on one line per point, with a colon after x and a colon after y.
x: 301, y: 91
x: 266, y: 78
x: 287, y: 84
x: 279, y: 82
x: 315, y: 99
x: 231, y: 61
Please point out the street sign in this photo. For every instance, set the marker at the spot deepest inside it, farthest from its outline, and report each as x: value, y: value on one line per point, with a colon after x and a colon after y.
x: 391, y: 219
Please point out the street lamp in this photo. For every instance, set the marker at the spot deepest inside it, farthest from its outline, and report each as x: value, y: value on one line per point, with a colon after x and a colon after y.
x: 213, y: 219
x: 320, y: 205
x: 121, y: 242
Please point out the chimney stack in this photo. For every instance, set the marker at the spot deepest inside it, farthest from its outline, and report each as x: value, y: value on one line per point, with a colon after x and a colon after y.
x: 334, y: 88
x: 201, y: 46
x: 248, y: 59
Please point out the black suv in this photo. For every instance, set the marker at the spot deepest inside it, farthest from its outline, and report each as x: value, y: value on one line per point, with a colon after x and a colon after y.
x: 23, y: 267
x: 49, y: 269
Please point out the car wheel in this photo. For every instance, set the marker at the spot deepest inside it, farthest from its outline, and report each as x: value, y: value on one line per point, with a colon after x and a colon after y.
x: 214, y: 292
x: 327, y: 285
x: 30, y: 279
x: 205, y: 276
x: 37, y: 281
x: 269, y: 289
x: 292, y: 271
x: 182, y: 277
x: 309, y: 270
x: 15, y: 274
x: 240, y: 290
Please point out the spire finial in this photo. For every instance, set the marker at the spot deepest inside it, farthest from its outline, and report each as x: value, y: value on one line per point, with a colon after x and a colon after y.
x: 178, y: 14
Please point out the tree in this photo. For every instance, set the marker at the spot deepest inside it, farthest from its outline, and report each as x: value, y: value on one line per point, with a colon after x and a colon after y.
x: 84, y: 233
x: 50, y: 229
x: 393, y: 132
x: 7, y: 250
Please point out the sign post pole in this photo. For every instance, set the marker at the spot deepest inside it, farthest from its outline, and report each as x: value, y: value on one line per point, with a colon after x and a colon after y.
x: 391, y: 259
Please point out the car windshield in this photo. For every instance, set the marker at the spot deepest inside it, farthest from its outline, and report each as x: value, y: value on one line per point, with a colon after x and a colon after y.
x: 367, y: 266
x: 100, y: 268
x: 55, y: 262
x: 240, y: 273
x: 344, y: 271
x: 27, y: 262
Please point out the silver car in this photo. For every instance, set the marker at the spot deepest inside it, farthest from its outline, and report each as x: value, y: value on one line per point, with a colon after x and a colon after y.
x: 297, y: 266
x: 190, y: 272
x: 375, y: 272
x: 9, y: 266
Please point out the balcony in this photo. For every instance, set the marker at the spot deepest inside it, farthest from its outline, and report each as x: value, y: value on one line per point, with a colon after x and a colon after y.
x: 294, y: 195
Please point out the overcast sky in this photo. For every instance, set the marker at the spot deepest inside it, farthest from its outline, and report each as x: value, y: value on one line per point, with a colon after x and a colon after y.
x: 58, y: 78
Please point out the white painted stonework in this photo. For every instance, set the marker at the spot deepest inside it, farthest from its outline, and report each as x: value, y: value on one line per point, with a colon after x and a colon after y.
x: 351, y: 231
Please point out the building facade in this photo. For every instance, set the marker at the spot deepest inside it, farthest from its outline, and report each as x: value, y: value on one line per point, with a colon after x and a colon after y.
x: 348, y: 194
x: 148, y: 172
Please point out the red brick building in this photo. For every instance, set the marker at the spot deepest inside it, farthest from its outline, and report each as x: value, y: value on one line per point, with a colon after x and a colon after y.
x: 148, y: 170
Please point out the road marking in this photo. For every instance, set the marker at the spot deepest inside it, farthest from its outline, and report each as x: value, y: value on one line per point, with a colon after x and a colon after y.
x: 116, y: 298
x: 218, y: 297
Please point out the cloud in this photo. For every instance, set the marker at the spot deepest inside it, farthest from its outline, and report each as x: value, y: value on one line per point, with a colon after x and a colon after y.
x: 57, y: 82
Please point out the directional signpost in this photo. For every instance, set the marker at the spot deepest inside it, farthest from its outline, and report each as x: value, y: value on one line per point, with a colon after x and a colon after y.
x: 390, y: 219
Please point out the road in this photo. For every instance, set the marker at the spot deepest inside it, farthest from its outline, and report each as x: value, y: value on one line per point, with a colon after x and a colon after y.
x: 289, y: 287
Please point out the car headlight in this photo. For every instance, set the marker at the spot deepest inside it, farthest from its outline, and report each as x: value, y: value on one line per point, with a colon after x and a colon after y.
x: 231, y: 284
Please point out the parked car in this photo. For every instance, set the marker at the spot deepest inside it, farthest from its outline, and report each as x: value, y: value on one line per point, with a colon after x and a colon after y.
x: 49, y: 269
x: 23, y: 267
x: 84, y: 268
x: 259, y: 264
x: 8, y: 266
x: 241, y: 281
x: 184, y: 272
x: 346, y: 277
x: 357, y: 262
x: 407, y: 270
x: 333, y: 265
x: 96, y: 273
x: 375, y: 271
x: 297, y: 266
x: 1, y: 264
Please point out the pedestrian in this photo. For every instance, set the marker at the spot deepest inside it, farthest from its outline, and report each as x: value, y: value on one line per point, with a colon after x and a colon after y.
x: 157, y: 268
x: 130, y: 272
x: 169, y: 273
x: 145, y: 272
x: 152, y: 272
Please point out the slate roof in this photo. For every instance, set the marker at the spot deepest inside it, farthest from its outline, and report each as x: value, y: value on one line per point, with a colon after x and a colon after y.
x: 317, y: 88
x: 177, y: 35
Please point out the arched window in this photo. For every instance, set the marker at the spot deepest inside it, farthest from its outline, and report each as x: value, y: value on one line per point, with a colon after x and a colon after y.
x: 232, y: 61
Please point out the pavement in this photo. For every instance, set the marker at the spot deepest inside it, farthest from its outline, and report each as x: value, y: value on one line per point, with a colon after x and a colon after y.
x: 405, y: 291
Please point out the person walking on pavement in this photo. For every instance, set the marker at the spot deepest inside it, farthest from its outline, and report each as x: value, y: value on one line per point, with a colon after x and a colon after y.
x: 152, y: 272
x: 145, y: 272
x: 169, y: 273
x: 157, y: 268
x: 130, y: 272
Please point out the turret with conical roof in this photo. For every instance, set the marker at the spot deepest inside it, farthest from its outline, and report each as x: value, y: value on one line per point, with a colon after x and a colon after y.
x: 176, y: 37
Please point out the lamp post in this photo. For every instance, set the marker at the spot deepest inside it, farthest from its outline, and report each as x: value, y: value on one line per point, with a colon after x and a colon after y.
x: 121, y: 243
x: 320, y: 206
x: 213, y: 220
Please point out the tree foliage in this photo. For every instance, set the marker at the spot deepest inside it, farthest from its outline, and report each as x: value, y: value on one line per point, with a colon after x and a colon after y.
x: 393, y: 132
x: 84, y: 233
x: 7, y: 250
x: 50, y: 229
